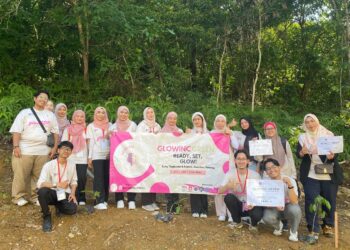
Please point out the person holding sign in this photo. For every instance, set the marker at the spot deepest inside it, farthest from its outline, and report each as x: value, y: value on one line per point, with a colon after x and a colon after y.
x: 318, y: 183
x: 76, y: 134
x: 57, y: 184
x: 199, y: 202
x: 123, y: 124
x: 97, y: 134
x: 170, y: 127
x: 234, y: 185
x: 149, y: 125
x: 291, y: 211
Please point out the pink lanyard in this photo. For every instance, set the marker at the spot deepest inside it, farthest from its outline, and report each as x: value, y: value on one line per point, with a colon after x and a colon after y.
x: 59, y: 171
x: 240, y: 183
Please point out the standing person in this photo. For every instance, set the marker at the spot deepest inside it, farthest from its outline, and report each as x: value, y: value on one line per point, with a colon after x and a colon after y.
x: 98, y: 158
x: 122, y: 124
x: 250, y: 134
x: 236, y: 200
x: 30, y: 151
x: 170, y: 127
x: 220, y: 126
x: 199, y: 202
x: 61, y: 115
x: 76, y: 134
x: 50, y: 106
x: 281, y: 150
x: 57, y: 184
x: 149, y: 125
x: 291, y: 211
x: 314, y: 183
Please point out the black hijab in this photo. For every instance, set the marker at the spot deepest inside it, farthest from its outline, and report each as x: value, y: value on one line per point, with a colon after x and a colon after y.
x: 250, y: 133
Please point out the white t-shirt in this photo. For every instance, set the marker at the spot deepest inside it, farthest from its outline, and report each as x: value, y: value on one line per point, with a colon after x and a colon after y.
x: 78, y: 157
x: 33, y: 139
x: 99, y: 143
x: 241, y: 189
x: 286, y: 192
x: 131, y: 128
x: 50, y: 173
x: 144, y: 128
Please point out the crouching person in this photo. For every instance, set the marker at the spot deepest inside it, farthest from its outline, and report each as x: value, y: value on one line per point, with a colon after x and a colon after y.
x: 291, y: 211
x: 57, y: 185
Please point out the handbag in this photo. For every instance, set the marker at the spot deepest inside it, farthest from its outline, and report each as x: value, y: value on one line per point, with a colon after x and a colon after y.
x: 325, y: 168
x: 50, y: 141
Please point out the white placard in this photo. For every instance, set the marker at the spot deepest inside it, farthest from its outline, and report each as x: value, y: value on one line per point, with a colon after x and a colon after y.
x: 260, y: 147
x: 265, y: 193
x: 334, y: 144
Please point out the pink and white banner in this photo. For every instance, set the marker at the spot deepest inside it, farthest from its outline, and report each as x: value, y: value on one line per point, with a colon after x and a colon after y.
x: 168, y: 163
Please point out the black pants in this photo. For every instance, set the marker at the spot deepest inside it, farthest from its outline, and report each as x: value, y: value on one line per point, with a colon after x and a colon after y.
x: 47, y: 196
x: 172, y: 202
x: 120, y: 196
x: 199, y: 203
x: 101, y: 180
x: 81, y: 174
x: 148, y: 198
x: 234, y: 205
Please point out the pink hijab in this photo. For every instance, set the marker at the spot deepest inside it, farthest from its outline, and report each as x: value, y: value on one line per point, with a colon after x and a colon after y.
x: 76, y: 132
x: 104, y: 124
x: 150, y: 123
x: 170, y: 128
x: 62, y: 121
x: 279, y: 153
x: 122, y: 125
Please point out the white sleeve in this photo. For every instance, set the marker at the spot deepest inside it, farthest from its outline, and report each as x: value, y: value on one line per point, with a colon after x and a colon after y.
x: 18, y: 124
x: 139, y: 128
x: 294, y: 184
x: 54, y: 125
x: 44, y: 175
x: 65, y: 136
x: 290, y: 158
x: 234, y: 142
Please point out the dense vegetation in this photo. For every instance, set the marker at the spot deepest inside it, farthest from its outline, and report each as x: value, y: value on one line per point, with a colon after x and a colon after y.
x: 288, y: 56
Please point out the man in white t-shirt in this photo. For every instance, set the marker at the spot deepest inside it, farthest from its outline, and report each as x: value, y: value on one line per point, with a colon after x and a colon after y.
x: 57, y: 185
x: 291, y: 211
x: 30, y: 151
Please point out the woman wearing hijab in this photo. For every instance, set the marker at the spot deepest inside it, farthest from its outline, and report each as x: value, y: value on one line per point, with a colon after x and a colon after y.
x: 199, y: 202
x: 76, y: 134
x: 170, y: 127
x: 97, y: 133
x: 281, y: 150
x: 61, y: 116
x: 314, y: 183
x: 149, y: 125
x: 250, y: 133
x: 122, y: 124
x: 220, y: 126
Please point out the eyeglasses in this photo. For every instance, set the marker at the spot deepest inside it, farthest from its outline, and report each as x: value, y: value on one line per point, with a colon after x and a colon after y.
x: 271, y: 167
x: 268, y: 129
x: 66, y: 149
x: 241, y: 159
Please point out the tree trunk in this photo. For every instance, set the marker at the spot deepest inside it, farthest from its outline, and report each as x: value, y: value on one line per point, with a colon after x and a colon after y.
x: 220, y: 88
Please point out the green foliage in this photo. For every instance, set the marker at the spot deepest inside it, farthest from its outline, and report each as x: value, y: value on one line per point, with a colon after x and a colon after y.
x: 318, y: 206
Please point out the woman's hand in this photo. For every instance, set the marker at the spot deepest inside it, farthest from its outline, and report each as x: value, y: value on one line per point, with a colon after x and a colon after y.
x: 330, y: 156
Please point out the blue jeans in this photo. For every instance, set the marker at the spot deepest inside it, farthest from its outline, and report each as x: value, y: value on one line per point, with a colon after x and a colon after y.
x: 327, y: 190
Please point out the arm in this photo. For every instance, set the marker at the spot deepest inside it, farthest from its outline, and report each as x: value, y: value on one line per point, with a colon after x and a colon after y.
x: 54, y: 149
x: 292, y: 193
x: 291, y: 160
x: 16, y: 137
x: 229, y: 185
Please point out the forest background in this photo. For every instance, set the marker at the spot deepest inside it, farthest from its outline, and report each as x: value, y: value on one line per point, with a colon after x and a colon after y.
x: 271, y: 60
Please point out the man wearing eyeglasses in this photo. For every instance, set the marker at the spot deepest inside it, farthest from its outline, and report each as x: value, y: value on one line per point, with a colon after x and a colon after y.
x: 291, y: 211
x: 57, y: 184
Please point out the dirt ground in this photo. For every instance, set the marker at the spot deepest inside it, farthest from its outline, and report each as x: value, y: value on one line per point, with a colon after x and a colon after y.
x: 20, y: 227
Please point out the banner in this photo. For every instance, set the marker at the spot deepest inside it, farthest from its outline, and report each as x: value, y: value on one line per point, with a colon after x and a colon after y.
x: 265, y: 193
x: 168, y: 163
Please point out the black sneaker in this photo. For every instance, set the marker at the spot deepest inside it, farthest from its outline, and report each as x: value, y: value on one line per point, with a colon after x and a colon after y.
x: 47, y: 225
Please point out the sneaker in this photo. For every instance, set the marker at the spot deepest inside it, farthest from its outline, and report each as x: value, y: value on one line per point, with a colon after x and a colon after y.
x: 222, y: 218
x: 253, y: 229
x: 100, y: 206
x: 195, y: 215
x: 82, y: 203
x: 148, y: 208
x: 204, y: 216
x: 293, y: 236
x: 120, y: 204
x: 285, y: 225
x: 234, y: 225
x: 278, y: 232
x: 47, y: 225
x: 156, y: 208
x: 21, y: 202
x: 230, y: 219
x: 328, y: 231
x: 37, y: 203
x: 131, y: 205
x: 106, y: 204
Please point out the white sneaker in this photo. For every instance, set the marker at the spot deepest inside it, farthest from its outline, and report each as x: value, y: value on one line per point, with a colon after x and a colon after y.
x: 120, y: 204
x: 278, y: 232
x: 82, y: 203
x: 293, y: 236
x: 37, y: 203
x: 21, y: 202
x: 131, y: 205
x: 230, y: 219
x: 195, y: 215
x: 222, y: 218
x: 203, y: 216
x: 148, y: 208
x: 100, y: 206
x: 106, y: 204
x: 156, y: 208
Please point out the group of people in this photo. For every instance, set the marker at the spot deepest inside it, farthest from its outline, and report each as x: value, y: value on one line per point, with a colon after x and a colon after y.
x: 43, y: 179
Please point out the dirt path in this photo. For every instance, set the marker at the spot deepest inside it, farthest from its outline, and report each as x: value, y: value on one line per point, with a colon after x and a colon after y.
x: 20, y: 227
